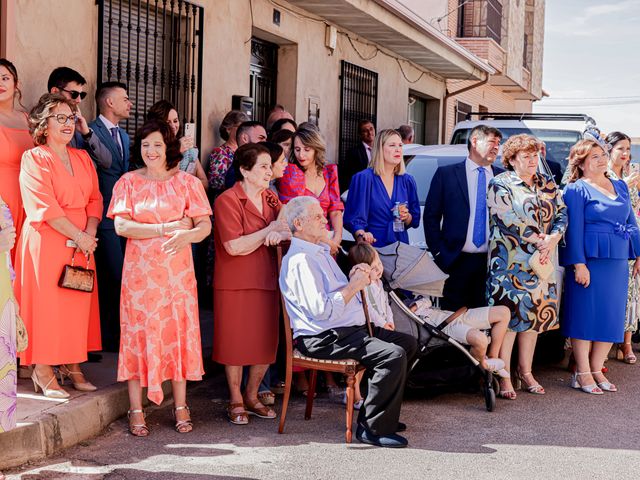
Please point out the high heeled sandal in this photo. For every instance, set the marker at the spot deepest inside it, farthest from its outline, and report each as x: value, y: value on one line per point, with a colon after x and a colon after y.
x: 507, y: 394
x: 605, y: 386
x: 536, y: 389
x: 182, y: 426
x: 46, y: 391
x: 137, y: 429
x: 64, y: 372
x: 591, y: 388
x: 629, y: 358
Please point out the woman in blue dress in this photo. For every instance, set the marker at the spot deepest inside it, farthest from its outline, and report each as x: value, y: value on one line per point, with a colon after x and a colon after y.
x: 374, y: 192
x: 602, y: 236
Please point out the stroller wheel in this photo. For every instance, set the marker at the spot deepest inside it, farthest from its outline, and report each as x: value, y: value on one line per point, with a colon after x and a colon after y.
x: 490, y: 398
x: 495, y: 383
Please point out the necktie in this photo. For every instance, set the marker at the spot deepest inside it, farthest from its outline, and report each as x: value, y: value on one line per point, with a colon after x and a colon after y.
x: 114, y: 135
x: 480, y: 220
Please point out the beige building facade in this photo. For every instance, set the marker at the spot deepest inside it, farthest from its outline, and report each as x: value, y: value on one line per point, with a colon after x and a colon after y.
x: 328, y: 61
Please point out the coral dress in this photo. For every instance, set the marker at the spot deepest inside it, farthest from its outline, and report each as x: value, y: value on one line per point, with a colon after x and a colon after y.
x: 62, y: 324
x: 159, y: 319
x: 13, y: 143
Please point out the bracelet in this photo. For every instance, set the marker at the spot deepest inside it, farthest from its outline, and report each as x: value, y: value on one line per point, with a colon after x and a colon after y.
x: 76, y: 239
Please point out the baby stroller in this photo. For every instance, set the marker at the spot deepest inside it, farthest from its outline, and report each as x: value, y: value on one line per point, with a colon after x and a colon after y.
x: 441, y: 360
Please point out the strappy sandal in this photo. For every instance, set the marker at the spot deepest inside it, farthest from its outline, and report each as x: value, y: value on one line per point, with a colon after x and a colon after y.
x: 237, y: 418
x: 137, y: 429
x: 506, y: 394
x: 536, y: 389
x: 262, y: 412
x: 267, y: 398
x: 182, y: 426
x: 629, y: 358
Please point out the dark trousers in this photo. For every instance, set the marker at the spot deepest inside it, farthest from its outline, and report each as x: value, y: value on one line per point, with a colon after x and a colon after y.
x: 385, y: 357
x: 467, y: 282
x: 109, y: 260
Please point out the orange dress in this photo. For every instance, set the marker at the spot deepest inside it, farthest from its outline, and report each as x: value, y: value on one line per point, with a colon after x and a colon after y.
x: 159, y: 318
x: 13, y: 143
x: 61, y: 323
x: 245, y: 299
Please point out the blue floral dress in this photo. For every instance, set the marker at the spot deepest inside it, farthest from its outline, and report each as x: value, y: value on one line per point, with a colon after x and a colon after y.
x: 517, y: 211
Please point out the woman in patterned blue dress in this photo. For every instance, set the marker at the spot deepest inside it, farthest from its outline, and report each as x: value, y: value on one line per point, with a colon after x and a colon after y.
x: 527, y: 214
x: 601, y: 238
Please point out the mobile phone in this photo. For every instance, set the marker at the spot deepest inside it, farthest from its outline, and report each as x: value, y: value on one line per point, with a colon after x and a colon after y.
x: 190, y: 130
x: 635, y: 167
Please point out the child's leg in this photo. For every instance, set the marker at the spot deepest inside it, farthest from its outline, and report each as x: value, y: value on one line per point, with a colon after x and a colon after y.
x: 478, y: 342
x: 499, y: 319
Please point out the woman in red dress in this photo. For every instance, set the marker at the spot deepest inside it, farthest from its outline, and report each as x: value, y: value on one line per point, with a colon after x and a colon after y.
x: 15, y: 139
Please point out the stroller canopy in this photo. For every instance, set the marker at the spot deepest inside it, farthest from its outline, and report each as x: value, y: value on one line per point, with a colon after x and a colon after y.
x: 411, y: 268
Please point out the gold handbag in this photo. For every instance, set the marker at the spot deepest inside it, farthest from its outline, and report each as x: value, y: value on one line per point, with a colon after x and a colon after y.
x: 77, y: 278
x: 22, y: 338
x: 544, y: 271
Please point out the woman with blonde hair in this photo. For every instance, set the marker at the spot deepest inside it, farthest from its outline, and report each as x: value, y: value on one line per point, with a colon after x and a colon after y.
x: 602, y: 236
x: 383, y: 200
x: 527, y: 217
x: 308, y: 174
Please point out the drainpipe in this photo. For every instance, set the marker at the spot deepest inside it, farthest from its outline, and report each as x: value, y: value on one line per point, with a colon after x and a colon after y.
x: 450, y: 94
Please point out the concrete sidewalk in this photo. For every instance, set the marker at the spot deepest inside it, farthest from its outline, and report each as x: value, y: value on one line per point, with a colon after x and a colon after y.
x: 46, y: 425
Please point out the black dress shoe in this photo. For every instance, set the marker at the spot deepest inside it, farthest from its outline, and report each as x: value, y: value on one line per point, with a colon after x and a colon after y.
x: 402, y: 427
x: 389, y: 441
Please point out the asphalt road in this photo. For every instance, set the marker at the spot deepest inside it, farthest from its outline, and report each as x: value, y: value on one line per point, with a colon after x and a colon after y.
x: 565, y: 434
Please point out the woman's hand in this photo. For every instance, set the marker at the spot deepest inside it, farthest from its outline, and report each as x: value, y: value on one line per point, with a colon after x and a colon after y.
x: 633, y: 179
x: 545, y: 245
x: 274, y: 238
x: 86, y: 243
x: 7, y: 238
x: 334, y: 246
x: 178, y: 239
x: 636, y: 267
x: 185, y: 223
x: 362, y: 236
x: 185, y: 144
x: 583, y: 277
x: 405, y: 216
x: 279, y: 226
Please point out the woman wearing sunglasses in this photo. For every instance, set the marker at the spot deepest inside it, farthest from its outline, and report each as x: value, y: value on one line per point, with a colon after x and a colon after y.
x: 63, y: 207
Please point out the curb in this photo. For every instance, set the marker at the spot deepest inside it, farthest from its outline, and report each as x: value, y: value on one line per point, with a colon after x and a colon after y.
x: 65, y: 425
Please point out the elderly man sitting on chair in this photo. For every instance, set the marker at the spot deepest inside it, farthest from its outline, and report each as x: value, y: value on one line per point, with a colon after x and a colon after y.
x: 328, y: 322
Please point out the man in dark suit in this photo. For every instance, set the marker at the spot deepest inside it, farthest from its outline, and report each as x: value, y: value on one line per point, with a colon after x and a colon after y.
x: 114, y: 105
x: 456, y: 220
x: 357, y: 159
x: 70, y: 84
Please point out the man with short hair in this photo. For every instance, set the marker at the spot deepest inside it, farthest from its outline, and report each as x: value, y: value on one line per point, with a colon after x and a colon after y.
x: 406, y: 134
x: 70, y: 84
x: 114, y: 106
x: 247, y: 132
x: 456, y: 220
x: 328, y: 322
x: 357, y: 158
x: 276, y: 113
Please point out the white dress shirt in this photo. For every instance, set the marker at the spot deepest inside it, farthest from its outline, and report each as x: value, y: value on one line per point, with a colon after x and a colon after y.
x: 310, y: 282
x: 367, y: 149
x: 110, y: 125
x: 472, y: 184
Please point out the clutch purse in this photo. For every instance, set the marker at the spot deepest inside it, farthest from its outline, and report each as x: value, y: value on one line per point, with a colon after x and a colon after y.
x: 77, y: 278
x: 544, y: 271
x: 22, y: 338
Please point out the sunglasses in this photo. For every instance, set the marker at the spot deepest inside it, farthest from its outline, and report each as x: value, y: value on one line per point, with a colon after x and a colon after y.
x: 75, y: 94
x: 62, y: 118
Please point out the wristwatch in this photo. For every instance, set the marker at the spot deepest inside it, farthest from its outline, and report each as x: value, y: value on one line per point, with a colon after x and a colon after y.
x: 88, y: 135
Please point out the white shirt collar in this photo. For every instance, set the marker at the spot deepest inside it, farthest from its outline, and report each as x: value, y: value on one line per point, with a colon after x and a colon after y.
x: 308, y: 247
x: 107, y: 122
x: 366, y: 145
x: 472, y: 166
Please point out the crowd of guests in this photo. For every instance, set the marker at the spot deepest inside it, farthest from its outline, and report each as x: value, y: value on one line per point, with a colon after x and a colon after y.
x: 82, y: 197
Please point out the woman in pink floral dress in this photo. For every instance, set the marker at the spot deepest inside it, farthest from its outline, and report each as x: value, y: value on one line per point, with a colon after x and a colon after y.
x: 162, y: 211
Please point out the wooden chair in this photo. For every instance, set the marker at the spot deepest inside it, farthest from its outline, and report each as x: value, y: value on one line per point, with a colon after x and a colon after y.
x: 294, y: 358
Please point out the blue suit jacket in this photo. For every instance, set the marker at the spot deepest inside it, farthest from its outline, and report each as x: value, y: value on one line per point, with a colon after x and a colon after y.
x: 107, y: 177
x: 446, y: 213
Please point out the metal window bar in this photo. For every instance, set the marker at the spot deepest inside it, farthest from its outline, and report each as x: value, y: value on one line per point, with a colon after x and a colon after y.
x: 263, y: 77
x: 480, y: 18
x: 358, y: 101
x: 155, y: 48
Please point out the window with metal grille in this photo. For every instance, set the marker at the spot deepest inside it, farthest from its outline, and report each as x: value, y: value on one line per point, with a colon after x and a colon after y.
x: 263, y: 77
x: 358, y: 101
x: 480, y: 18
x: 461, y: 111
x: 155, y: 48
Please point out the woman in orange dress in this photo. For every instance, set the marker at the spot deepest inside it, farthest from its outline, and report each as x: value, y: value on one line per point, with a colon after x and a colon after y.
x: 162, y: 211
x: 15, y: 139
x: 63, y: 205
x: 245, y: 300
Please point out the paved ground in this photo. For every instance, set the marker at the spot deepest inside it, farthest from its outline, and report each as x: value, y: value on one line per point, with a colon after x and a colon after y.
x: 565, y: 434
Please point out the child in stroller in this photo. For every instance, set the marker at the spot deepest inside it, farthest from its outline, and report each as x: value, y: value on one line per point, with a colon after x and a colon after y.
x: 465, y: 326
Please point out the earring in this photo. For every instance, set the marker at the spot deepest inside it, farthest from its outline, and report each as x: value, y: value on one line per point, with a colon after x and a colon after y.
x: 46, y: 133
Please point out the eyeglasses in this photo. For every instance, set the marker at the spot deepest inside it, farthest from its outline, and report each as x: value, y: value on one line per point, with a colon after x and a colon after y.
x: 75, y: 94
x: 62, y: 118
